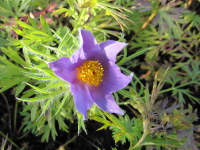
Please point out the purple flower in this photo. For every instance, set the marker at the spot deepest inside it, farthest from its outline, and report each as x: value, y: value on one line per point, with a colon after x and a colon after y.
x: 93, y: 74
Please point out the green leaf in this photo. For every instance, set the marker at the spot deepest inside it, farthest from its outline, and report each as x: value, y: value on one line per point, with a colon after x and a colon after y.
x: 138, y: 53
x: 14, y: 56
x: 44, y: 97
x: 81, y: 124
x: 24, y: 25
x: 44, y: 108
x: 39, y: 89
x: 37, y: 51
x: 60, y: 11
x: 66, y: 97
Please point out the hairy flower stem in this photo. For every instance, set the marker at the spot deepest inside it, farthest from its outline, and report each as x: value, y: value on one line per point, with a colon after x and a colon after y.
x: 145, y: 133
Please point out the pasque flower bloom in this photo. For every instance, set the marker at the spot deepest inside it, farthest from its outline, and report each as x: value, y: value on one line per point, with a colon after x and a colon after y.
x: 93, y: 74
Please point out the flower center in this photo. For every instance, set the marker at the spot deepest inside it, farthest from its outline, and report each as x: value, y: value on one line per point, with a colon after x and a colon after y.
x: 90, y: 72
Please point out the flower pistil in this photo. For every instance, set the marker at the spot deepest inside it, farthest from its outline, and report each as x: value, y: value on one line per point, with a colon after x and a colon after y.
x: 90, y: 72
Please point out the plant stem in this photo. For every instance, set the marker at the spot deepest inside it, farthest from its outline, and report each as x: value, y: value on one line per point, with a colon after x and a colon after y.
x: 69, y: 141
x: 172, y: 88
x: 151, y: 17
x: 188, y: 3
x: 145, y: 133
x: 14, y: 144
x: 15, y: 116
x: 9, y: 113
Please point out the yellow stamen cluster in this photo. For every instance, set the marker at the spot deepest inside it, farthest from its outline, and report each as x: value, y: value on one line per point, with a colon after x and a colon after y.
x: 90, y: 72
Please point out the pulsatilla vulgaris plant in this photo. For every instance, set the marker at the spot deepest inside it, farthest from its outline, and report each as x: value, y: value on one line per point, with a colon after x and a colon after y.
x: 62, y: 86
x: 93, y: 74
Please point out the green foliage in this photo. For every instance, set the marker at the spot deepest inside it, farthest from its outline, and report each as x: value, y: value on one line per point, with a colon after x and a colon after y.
x: 180, y: 82
x: 10, y: 71
x: 32, y: 71
x: 44, y: 117
x: 96, y: 15
x: 14, y: 8
x: 123, y: 128
x: 169, y: 18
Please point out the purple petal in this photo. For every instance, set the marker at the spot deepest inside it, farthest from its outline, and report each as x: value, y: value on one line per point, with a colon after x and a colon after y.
x: 88, y: 43
x: 113, y: 79
x: 105, y: 102
x: 82, y: 98
x: 112, y: 48
x: 78, y: 56
x: 64, y: 69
